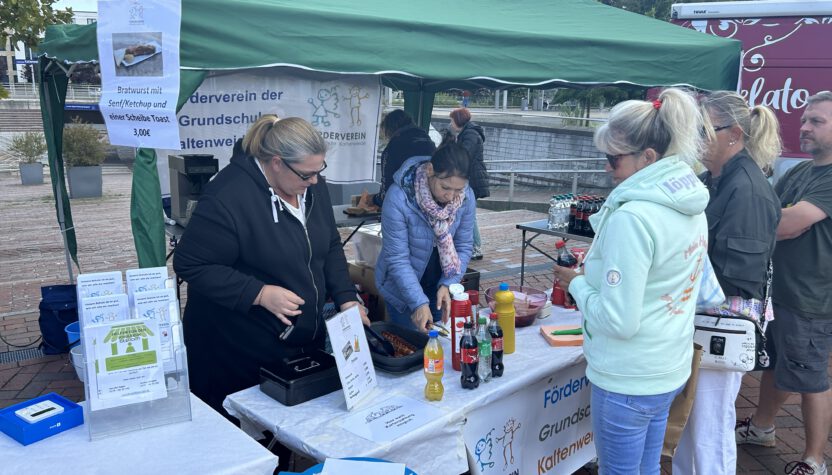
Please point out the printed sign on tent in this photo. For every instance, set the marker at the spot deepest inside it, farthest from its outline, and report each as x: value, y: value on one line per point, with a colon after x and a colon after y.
x: 138, y: 48
x: 345, y: 109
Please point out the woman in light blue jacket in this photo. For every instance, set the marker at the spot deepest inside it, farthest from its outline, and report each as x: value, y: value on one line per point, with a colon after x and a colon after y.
x: 427, y: 230
x: 641, y: 277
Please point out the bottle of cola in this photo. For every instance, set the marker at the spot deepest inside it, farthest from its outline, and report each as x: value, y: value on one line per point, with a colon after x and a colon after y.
x: 496, y: 346
x: 469, y: 357
x: 573, y: 210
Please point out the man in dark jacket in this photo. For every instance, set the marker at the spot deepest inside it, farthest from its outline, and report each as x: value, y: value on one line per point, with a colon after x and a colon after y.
x: 242, y: 239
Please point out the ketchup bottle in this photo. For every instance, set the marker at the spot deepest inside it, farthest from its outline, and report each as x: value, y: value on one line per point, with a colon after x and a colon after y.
x: 460, y: 313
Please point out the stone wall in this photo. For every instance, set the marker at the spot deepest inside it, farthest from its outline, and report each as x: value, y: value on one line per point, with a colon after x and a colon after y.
x: 524, y: 142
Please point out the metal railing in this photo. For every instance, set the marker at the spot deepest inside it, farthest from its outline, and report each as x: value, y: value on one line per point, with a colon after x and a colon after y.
x: 512, y: 172
x: 74, y: 92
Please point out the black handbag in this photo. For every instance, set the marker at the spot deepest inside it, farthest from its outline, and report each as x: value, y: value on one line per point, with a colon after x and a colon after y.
x: 58, y: 308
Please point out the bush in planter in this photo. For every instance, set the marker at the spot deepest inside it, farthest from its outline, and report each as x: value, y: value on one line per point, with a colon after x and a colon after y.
x: 83, y: 152
x: 29, y: 148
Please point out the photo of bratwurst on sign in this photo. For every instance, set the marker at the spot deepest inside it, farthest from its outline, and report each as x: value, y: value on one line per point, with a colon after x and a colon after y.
x: 261, y: 255
x: 642, y: 275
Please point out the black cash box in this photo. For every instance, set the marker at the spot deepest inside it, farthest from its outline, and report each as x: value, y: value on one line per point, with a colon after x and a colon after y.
x: 301, y: 378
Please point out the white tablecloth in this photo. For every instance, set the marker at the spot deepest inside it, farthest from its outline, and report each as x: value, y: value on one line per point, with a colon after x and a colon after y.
x: 209, y: 444
x: 314, y: 429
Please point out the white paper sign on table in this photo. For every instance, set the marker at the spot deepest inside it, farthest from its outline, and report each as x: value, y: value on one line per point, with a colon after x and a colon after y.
x: 352, y: 355
x: 124, y: 363
x: 364, y: 467
x: 390, y: 419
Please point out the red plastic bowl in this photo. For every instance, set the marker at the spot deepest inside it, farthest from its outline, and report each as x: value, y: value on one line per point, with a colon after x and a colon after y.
x: 528, y: 302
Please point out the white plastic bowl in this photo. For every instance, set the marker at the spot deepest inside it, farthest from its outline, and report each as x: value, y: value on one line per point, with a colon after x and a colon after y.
x: 77, y: 355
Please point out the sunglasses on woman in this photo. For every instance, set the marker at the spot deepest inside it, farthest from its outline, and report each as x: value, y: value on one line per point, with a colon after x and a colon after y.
x: 614, y: 159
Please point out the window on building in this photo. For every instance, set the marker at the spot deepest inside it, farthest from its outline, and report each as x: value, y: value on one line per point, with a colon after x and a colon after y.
x: 90, y: 21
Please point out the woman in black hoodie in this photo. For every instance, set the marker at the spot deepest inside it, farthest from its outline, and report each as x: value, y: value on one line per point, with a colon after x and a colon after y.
x: 261, y: 253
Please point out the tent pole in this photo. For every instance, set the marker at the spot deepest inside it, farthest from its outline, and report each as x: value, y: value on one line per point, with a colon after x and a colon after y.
x: 59, y: 196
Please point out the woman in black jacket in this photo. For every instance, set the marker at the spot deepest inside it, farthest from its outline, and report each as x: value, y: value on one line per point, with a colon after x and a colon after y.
x: 261, y: 253
x: 471, y: 136
x: 405, y: 140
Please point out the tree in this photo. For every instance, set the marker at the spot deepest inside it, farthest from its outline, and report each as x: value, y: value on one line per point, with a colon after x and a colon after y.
x: 26, y: 20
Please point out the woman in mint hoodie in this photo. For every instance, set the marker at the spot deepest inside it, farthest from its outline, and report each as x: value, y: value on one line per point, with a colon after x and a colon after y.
x: 641, y: 277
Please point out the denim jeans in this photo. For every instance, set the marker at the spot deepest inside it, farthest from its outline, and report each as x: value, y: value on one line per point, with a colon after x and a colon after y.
x: 629, y: 431
x: 477, y: 238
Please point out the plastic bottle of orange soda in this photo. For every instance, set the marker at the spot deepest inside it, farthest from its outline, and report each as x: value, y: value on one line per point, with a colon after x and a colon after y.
x: 434, y: 368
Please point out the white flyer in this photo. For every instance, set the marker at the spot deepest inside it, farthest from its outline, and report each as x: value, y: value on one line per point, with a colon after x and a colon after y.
x: 162, y: 306
x: 352, y: 355
x: 390, y: 419
x: 98, y: 284
x: 138, y: 50
x: 143, y: 280
x: 106, y: 309
x: 125, y: 366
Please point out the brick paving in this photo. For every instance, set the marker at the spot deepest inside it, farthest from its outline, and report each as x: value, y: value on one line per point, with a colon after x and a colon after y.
x: 31, y: 255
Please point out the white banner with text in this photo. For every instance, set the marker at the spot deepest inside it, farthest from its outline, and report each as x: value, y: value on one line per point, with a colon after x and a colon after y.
x: 138, y: 47
x: 344, y: 108
x: 543, y: 429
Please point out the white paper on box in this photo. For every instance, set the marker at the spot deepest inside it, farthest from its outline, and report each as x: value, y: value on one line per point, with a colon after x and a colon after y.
x: 143, y: 280
x: 390, y: 419
x: 352, y: 355
x: 98, y: 284
x: 162, y: 306
x: 106, y: 309
x: 124, y: 364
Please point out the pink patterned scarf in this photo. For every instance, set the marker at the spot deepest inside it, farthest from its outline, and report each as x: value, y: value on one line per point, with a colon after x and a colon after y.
x: 441, y: 218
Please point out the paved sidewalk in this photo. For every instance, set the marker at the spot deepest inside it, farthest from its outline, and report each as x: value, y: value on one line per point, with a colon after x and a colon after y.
x: 31, y: 255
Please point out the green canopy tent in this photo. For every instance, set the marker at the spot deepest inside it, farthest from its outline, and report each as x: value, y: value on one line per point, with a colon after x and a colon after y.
x: 418, y: 47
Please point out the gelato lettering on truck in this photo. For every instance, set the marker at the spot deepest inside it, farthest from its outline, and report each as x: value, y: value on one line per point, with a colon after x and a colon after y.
x: 784, y: 55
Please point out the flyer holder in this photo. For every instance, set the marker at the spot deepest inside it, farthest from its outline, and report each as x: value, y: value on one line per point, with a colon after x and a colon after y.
x: 143, y: 383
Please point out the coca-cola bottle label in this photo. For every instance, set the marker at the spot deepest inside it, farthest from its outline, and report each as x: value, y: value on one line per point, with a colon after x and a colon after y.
x: 496, y: 344
x: 469, y: 356
x: 434, y: 366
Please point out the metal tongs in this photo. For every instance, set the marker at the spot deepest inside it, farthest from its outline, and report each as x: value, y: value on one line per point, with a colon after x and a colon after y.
x: 378, y: 343
x: 439, y: 328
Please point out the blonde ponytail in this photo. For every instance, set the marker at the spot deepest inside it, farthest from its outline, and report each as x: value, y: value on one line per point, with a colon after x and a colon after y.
x: 764, y: 143
x: 292, y: 139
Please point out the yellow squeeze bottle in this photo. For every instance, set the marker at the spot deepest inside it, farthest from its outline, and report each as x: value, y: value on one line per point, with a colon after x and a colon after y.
x: 505, y: 312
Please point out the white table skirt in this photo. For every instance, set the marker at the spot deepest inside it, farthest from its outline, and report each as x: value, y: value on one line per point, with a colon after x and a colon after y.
x: 314, y: 429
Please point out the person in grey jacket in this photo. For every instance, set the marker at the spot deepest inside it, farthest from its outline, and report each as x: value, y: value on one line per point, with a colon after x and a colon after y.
x: 427, y: 224
x: 472, y: 137
x: 743, y: 214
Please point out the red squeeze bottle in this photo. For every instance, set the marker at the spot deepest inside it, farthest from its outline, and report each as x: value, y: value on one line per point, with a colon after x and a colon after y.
x: 460, y: 313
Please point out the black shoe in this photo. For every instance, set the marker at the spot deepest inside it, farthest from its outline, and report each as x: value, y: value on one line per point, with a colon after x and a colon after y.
x: 476, y: 257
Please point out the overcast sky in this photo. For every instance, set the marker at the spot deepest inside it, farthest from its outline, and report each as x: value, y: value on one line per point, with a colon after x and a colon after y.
x: 77, y: 5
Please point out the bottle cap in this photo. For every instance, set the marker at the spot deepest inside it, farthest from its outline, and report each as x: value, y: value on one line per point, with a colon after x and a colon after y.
x: 456, y: 289
x: 559, y: 244
x: 493, y: 316
x: 481, y: 319
x: 503, y: 286
x: 469, y: 324
x: 433, y: 333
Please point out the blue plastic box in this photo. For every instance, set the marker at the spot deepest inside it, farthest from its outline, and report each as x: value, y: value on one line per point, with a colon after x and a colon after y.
x: 27, y: 433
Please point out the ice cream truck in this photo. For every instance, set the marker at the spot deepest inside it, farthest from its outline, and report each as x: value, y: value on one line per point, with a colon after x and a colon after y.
x: 786, y: 55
